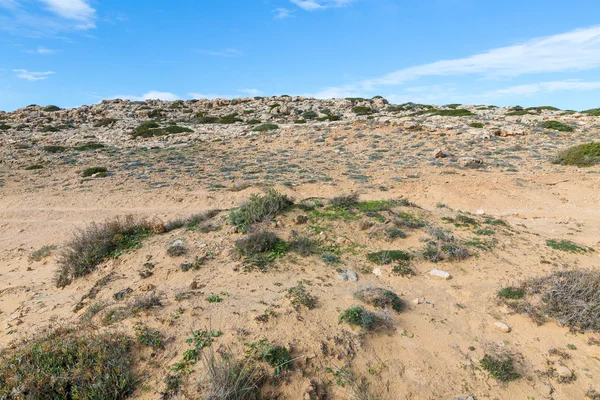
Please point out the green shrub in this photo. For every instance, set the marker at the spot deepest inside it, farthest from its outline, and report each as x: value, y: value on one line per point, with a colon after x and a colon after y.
x: 42, y: 252
x: 207, y: 119
x: 444, y: 246
x: 277, y: 356
x: 152, y: 128
x: 69, y: 364
x: 51, y: 108
x: 104, y: 122
x: 358, y: 316
x: 557, y: 126
x: 583, y: 155
x: 477, y: 125
x: 54, y: 149
x: 594, y: 112
x: 567, y: 245
x: 100, y: 171
x: 511, y: 293
x: 4, y: 127
x: 259, y: 209
x: 345, y: 201
x: 256, y: 243
x: 266, y: 128
x: 500, y: 367
x: 362, y: 110
x: 384, y: 257
x: 89, y: 146
x: 298, y: 296
x: 459, y: 112
x: 34, y: 167
x: 254, y: 122
x: 98, y: 242
x: 518, y: 113
x: 173, y: 129
x: 380, y: 298
x: 230, y: 119
x: 149, y: 338
x: 310, y: 114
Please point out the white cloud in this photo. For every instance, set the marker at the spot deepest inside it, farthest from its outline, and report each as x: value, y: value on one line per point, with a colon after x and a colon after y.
x: 313, y: 5
x: 222, y: 53
x: 77, y: 10
x: 282, y: 13
x: 27, y: 18
x: 546, y: 87
x: 151, y: 95
x: 210, y: 96
x: 572, y: 51
x: 32, y: 76
x: 42, y: 51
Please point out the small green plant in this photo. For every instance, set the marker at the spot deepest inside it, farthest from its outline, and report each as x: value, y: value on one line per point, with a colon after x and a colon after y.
x: 568, y: 246
x: 583, y: 155
x: 459, y: 112
x: 511, y: 293
x: 362, y: 110
x: 384, y: 257
x: 298, y: 296
x: 89, y: 146
x: 51, y: 108
x: 42, y: 252
x: 230, y: 379
x: 259, y: 209
x: 500, y: 367
x: 149, y: 338
x: 104, y: 122
x: 477, y: 125
x: 254, y: 122
x: 214, y: 298
x: 277, y: 357
x: 266, y: 128
x: 380, y: 298
x: 358, y: 316
x: 557, y: 126
x: 54, y: 149
x: 99, y: 172
x: 34, y: 167
x: 330, y: 258
x: 403, y: 268
x: 594, y: 112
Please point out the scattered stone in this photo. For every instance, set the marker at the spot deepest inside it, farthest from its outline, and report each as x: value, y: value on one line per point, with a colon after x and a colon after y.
x: 439, y: 274
x: 463, y: 398
x: 470, y: 162
x: 377, y: 271
x: 348, y: 275
x: 564, y: 372
x: 502, y: 327
x: 439, y: 153
x: 301, y: 219
x: 146, y: 274
x: 177, y: 242
x: 546, y: 389
x: 417, y: 301
x: 121, y: 294
x: 480, y: 212
x: 148, y: 288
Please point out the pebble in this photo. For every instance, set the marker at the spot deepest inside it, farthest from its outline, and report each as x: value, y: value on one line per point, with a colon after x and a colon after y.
x: 502, y: 327
x: 546, y: 390
x: 564, y: 372
x: 377, y: 271
x: 439, y: 274
x: 177, y: 242
x: 480, y: 212
x: 348, y: 276
x: 417, y: 301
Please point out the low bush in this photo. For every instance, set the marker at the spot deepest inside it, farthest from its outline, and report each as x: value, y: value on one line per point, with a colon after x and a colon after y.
x: 345, y: 201
x: 256, y: 243
x: 459, y: 112
x: 259, y: 208
x: 89, y: 146
x: 500, y: 365
x: 511, y: 293
x: 583, y: 155
x: 266, y: 128
x: 380, y: 298
x: 299, y: 295
x: 100, y: 172
x: 568, y: 246
x: 230, y: 379
x: 444, y: 246
x: 385, y: 257
x: 105, y: 122
x: 557, y: 126
x: 54, y: 149
x: 69, y: 364
x: 359, y: 316
x: 362, y: 110
x: 98, y: 242
x: 51, y: 108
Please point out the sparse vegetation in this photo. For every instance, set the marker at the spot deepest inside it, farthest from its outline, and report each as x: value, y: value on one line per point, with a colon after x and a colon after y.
x: 568, y: 246
x: 99, y: 172
x: 42, y: 252
x: 149, y: 338
x: 89, y: 146
x: 98, y: 242
x: 583, y: 155
x: 265, y: 128
x: 54, y: 149
x: 69, y: 364
x: 227, y: 378
x: 259, y: 209
x: 500, y: 365
x: 477, y: 125
x: 557, y: 126
x: 362, y: 110
x: 384, y: 257
x: 299, y: 295
x: 380, y: 298
x: 152, y: 128
x: 105, y: 122
x: 359, y: 316
x: 443, y: 246
x: 459, y: 112
x: 512, y: 293
x: 277, y: 357
x: 51, y: 108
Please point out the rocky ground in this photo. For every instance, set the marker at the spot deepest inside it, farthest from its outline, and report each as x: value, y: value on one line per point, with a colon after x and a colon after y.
x: 459, y: 168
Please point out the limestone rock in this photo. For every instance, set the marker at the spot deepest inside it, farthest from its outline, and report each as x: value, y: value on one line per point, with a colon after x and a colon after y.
x: 439, y: 274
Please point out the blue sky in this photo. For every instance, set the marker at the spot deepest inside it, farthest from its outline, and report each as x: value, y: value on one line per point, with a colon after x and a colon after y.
x: 73, y: 52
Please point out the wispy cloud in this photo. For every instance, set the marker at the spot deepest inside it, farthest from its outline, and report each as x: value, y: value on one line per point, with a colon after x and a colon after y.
x: 572, y: 51
x: 546, y: 87
x: 251, y: 92
x: 222, y: 53
x: 42, y: 51
x: 32, y: 76
x: 151, y: 95
x: 27, y: 18
x: 281, y: 13
x: 314, y: 5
